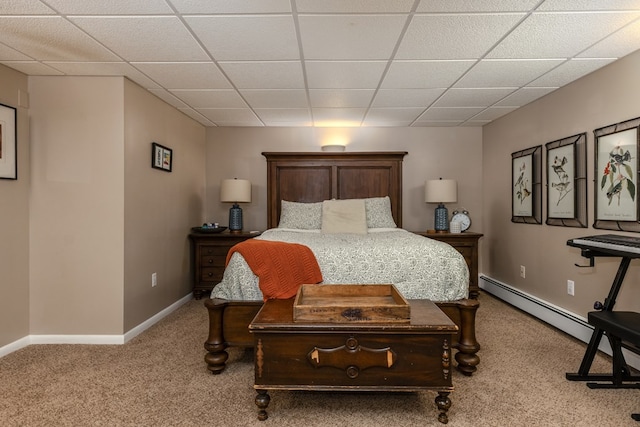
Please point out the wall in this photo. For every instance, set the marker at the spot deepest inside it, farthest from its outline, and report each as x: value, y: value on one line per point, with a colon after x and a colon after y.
x: 77, y: 205
x: 433, y: 153
x: 607, y: 96
x: 14, y: 211
x: 159, y: 207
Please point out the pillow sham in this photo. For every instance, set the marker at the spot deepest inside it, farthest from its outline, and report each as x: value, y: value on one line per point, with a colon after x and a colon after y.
x: 344, y: 216
x: 378, y: 211
x: 302, y: 216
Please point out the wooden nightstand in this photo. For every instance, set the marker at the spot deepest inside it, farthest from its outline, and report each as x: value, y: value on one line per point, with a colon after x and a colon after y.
x: 209, y: 252
x: 467, y: 244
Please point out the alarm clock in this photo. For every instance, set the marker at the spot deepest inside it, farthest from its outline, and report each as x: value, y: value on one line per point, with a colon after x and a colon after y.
x: 462, y: 218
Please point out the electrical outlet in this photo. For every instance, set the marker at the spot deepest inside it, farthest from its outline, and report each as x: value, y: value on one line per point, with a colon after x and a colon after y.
x: 570, y: 287
x: 154, y: 280
x: 523, y: 272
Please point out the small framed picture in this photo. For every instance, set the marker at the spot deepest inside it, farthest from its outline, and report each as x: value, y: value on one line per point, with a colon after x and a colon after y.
x: 616, y: 176
x: 161, y: 157
x: 8, y: 143
x: 567, y: 181
x: 526, y: 206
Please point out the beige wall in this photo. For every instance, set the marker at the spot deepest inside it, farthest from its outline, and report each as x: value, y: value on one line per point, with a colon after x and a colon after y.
x: 159, y: 207
x: 432, y: 153
x: 14, y: 211
x: 604, y: 97
x: 77, y: 205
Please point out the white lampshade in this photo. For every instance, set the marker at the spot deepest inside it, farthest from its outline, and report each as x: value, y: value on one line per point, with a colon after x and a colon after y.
x: 333, y: 147
x: 440, y: 191
x: 235, y: 190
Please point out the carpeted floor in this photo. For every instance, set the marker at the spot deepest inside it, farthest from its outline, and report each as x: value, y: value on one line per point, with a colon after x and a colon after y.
x: 160, y: 379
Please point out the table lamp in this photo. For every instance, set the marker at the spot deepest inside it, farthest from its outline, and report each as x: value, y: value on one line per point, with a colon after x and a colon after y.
x: 235, y: 191
x: 441, y: 191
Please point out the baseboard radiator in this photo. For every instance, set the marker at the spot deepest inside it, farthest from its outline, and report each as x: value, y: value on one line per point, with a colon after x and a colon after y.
x: 564, y: 320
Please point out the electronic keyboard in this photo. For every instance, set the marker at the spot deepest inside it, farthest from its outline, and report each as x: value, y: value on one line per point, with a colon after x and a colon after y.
x: 609, y: 243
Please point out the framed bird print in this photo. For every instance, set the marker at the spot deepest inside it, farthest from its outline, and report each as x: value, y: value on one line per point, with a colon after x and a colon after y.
x: 567, y: 181
x: 616, y: 176
x: 526, y: 179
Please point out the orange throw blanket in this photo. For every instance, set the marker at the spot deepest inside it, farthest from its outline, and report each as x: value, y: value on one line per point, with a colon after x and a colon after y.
x: 281, y: 267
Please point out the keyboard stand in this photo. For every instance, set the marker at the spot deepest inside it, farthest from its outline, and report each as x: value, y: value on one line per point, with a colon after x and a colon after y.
x: 617, y: 379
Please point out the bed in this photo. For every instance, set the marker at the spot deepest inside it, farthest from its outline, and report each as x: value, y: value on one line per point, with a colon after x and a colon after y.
x: 302, y: 183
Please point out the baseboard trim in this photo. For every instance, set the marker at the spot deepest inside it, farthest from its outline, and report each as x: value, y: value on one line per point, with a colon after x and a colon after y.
x: 564, y: 320
x: 94, y: 339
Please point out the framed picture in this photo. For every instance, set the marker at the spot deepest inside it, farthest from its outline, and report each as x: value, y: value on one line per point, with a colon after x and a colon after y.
x: 567, y: 181
x: 616, y: 176
x: 8, y: 143
x: 526, y: 179
x: 161, y: 157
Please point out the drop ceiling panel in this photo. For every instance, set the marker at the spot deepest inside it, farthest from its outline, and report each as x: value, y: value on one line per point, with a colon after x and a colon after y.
x: 539, y: 36
x: 343, y: 74
x: 454, y: 36
x: 265, y: 75
x: 51, y: 39
x: 237, y: 38
x: 406, y: 97
x: 424, y: 74
x: 516, y: 73
x: 136, y: 38
x: 350, y: 37
x: 325, y: 63
x: 275, y: 98
x: 184, y: 75
x: 345, y: 98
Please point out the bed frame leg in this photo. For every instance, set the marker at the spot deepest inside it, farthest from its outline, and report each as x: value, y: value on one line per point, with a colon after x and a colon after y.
x: 215, y: 344
x: 468, y: 346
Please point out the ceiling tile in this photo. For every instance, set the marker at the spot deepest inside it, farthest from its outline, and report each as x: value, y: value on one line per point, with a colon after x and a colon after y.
x: 406, y: 97
x: 359, y: 6
x: 111, y: 7
x: 345, y: 98
x: 538, y: 35
x: 350, y: 115
x: 569, y: 71
x: 51, y: 39
x: 280, y: 115
x: 184, y: 75
x: 32, y: 68
x: 493, y: 113
x: 617, y: 45
x: 24, y: 7
x: 578, y: 5
x: 230, y: 115
x: 459, y: 113
x: 472, y: 97
x: 104, y: 69
x: 9, y: 54
x: 136, y: 38
x: 235, y: 6
x: 275, y: 98
x: 265, y: 75
x: 524, y: 96
x: 424, y: 74
x: 210, y: 98
x: 454, y: 36
x: 393, y: 114
x: 197, y: 116
x: 343, y: 74
x: 350, y: 37
x: 514, y: 73
x: 168, y: 97
x: 448, y: 6
x: 238, y: 38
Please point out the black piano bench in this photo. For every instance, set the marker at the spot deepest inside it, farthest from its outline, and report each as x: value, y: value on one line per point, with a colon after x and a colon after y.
x: 618, y: 326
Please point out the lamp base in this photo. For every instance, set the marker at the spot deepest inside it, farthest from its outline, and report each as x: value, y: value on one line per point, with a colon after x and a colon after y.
x: 441, y: 221
x: 235, y: 218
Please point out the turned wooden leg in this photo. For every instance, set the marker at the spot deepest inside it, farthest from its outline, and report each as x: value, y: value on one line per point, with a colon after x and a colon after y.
x: 468, y: 346
x: 262, y: 401
x: 215, y: 345
x: 443, y: 403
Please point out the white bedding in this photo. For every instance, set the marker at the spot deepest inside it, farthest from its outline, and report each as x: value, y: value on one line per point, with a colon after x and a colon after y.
x: 421, y: 268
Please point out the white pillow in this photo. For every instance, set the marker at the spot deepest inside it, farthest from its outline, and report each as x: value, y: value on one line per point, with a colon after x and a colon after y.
x: 344, y: 216
x: 379, y: 212
x: 302, y: 216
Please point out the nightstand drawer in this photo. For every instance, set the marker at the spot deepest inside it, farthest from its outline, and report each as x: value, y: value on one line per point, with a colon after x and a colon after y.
x: 211, y: 274
x: 208, y: 250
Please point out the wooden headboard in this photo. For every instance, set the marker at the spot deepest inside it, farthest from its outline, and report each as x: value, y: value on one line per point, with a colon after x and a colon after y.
x: 314, y: 177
